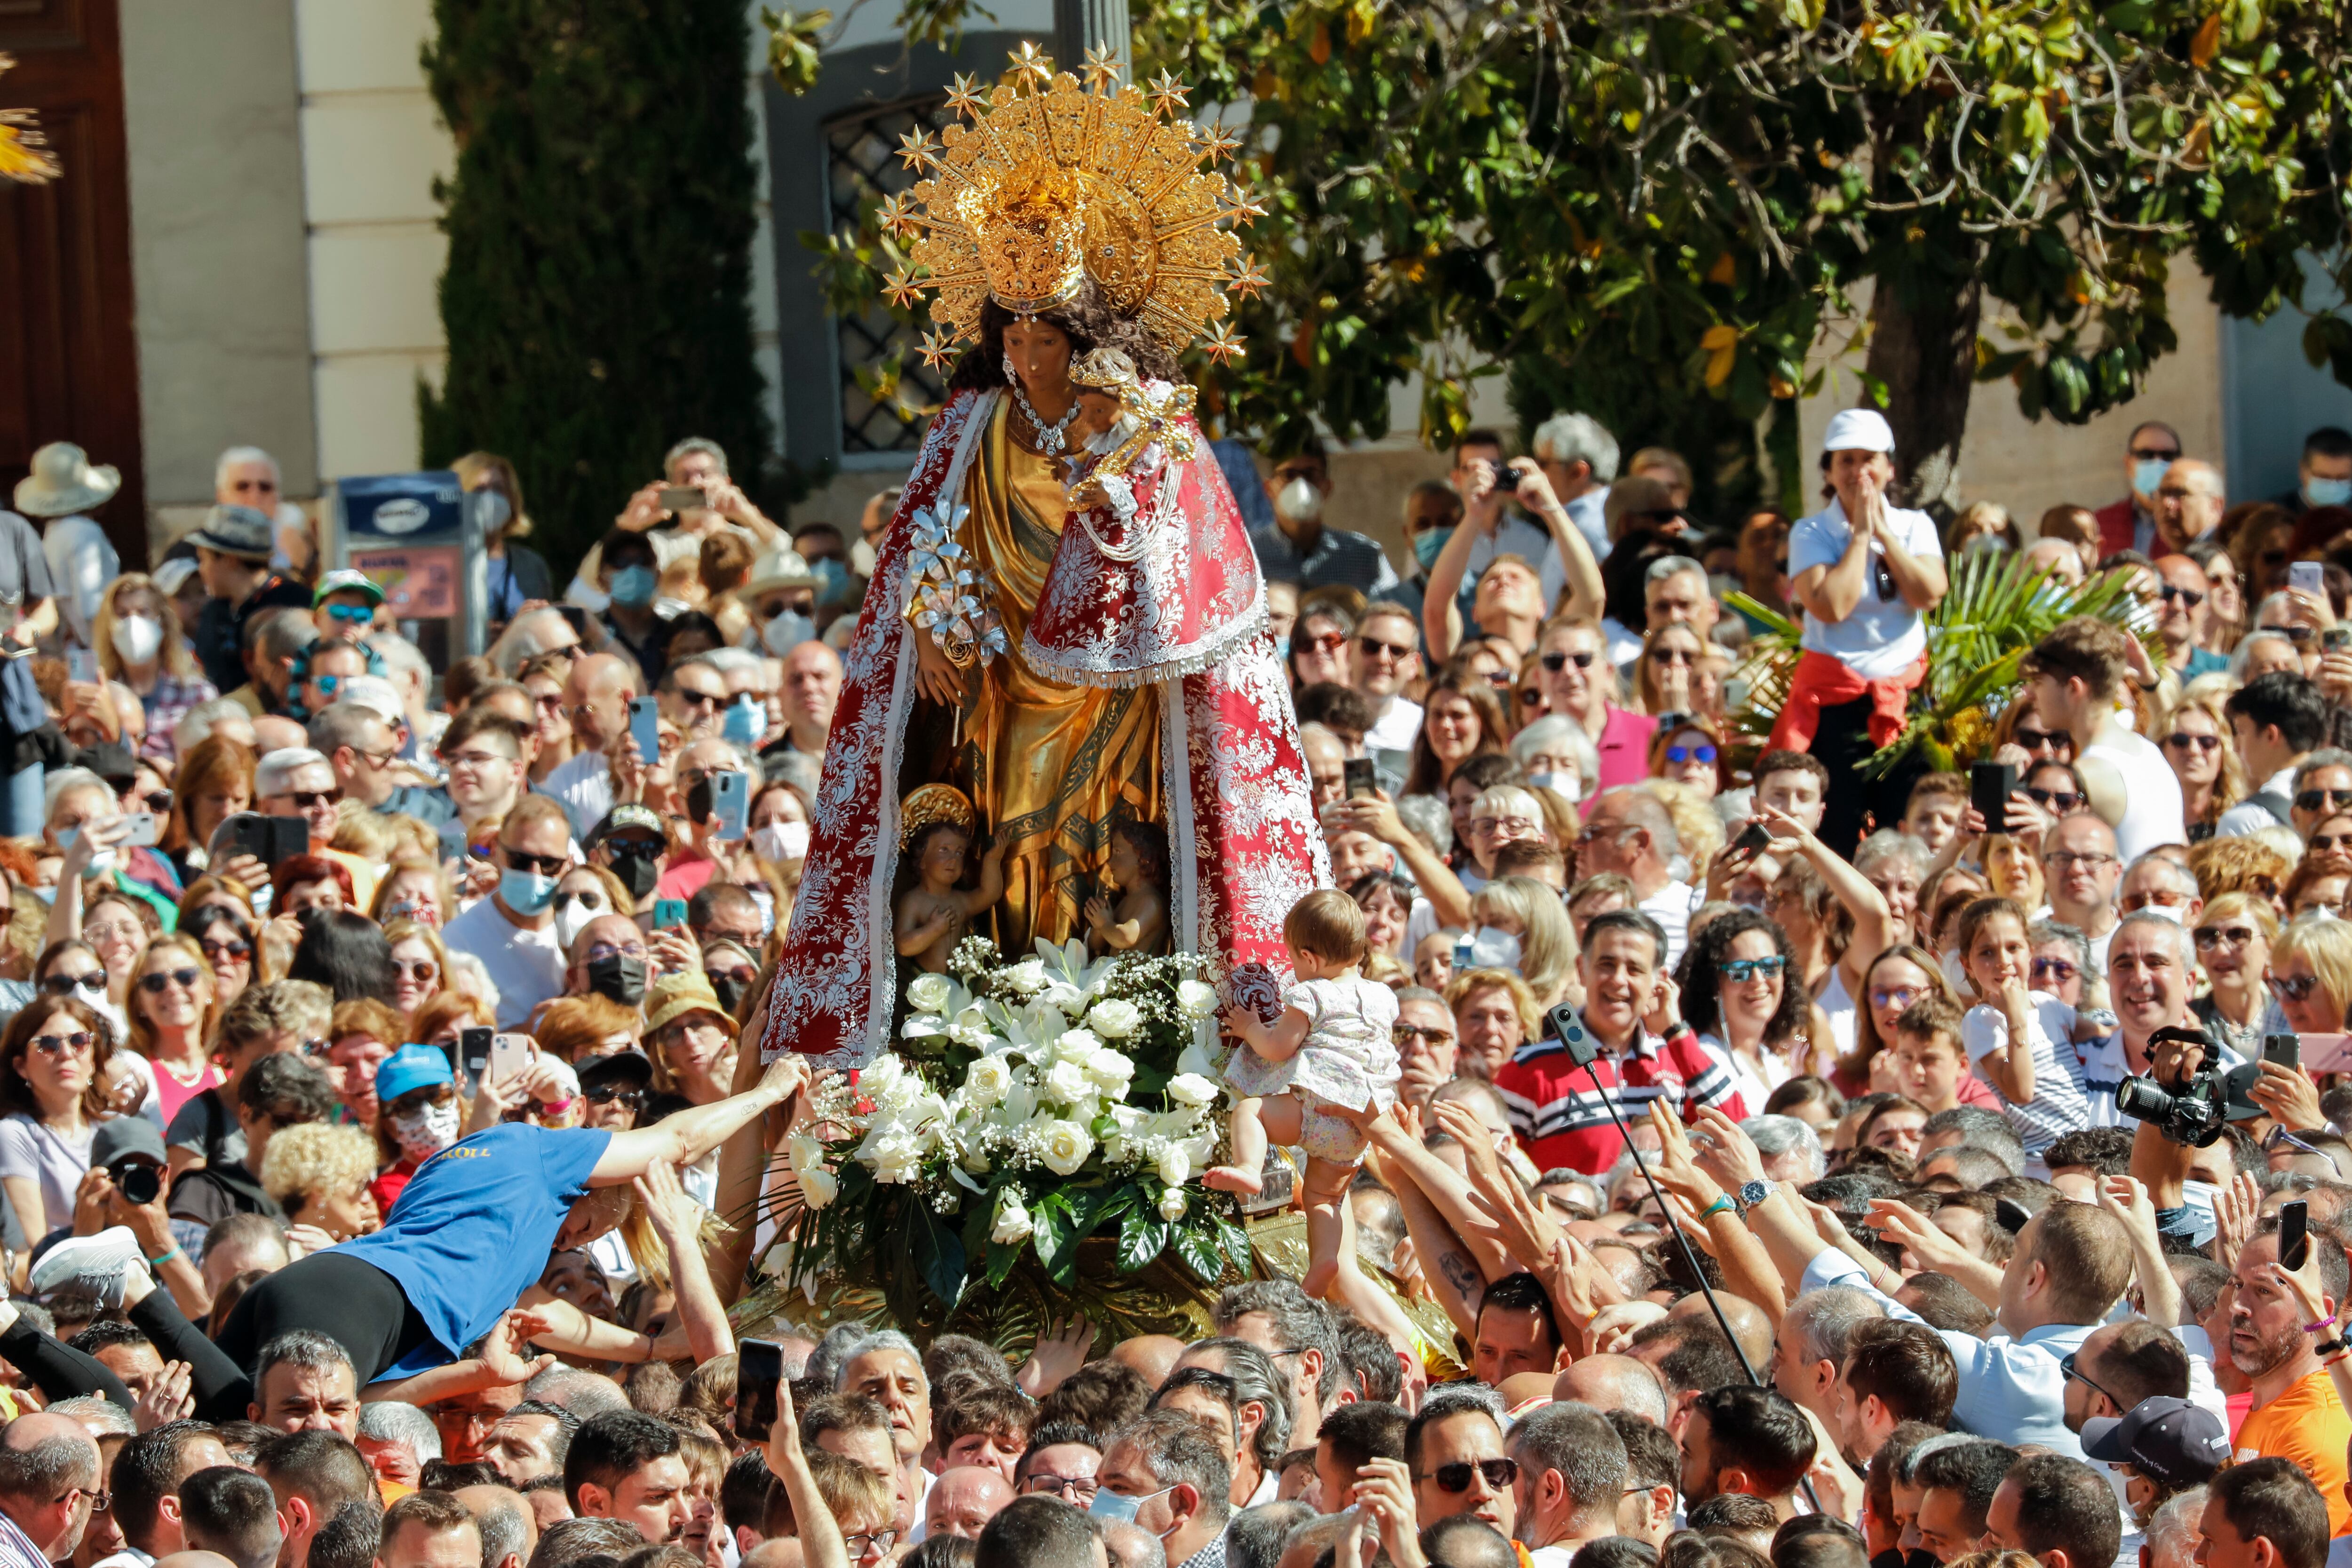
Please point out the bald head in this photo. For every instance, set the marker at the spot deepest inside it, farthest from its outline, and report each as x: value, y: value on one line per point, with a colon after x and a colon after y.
x: 194, y: 1559
x: 510, y: 1532
x: 1127, y: 1544
x: 49, y: 1478
x: 617, y: 929
x: 595, y: 675
x: 1613, y: 1382
x: 1749, y: 1325
x: 1154, y: 1355
x: 964, y: 1499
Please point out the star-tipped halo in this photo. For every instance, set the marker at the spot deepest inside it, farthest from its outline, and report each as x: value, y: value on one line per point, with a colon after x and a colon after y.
x: 905, y: 289
x: 1168, y: 94
x: 1032, y: 64
x: 938, y: 350
x: 917, y: 149
x: 1222, y: 344
x: 1218, y: 143
x: 1248, y: 278
x: 1248, y: 205
x: 965, y: 97
x: 897, y: 214
x: 1101, y: 69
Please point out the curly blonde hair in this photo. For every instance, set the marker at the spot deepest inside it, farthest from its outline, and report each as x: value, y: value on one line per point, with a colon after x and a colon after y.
x: 306, y: 1162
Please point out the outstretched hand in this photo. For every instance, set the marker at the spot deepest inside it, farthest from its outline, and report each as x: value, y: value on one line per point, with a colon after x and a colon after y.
x: 1059, y: 1352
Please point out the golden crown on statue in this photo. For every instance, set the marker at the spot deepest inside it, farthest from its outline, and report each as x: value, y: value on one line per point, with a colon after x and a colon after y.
x: 1053, y: 183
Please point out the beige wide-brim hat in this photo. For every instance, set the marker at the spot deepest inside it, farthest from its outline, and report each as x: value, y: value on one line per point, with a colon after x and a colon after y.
x: 65, y: 481
x: 777, y: 568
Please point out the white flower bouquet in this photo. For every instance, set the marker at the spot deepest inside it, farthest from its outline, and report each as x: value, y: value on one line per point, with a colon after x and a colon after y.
x: 1031, y: 1105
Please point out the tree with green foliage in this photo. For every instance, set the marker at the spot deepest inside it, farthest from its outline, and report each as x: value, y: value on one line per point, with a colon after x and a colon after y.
x: 1650, y: 209
x: 597, y: 298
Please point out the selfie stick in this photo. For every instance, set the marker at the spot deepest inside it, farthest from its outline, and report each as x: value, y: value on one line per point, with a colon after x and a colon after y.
x: 1584, y: 1054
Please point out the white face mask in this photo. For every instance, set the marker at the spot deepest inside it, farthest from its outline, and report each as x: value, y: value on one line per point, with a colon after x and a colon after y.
x: 2172, y: 913
x: 787, y: 631
x: 426, y: 1131
x: 780, y: 842
x: 1300, y: 501
x: 1565, y: 784
x: 1494, y: 949
x: 572, y: 913
x: 138, y: 638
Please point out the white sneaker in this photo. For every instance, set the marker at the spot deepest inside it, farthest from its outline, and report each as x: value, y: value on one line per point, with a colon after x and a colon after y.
x: 98, y: 1264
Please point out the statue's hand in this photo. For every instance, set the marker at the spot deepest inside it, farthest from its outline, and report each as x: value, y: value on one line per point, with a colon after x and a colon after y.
x: 936, y: 676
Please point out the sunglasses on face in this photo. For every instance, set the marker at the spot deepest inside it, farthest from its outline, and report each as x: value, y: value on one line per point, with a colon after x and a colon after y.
x: 612, y: 1093
x: 93, y: 981
x: 1456, y: 1477
x: 2066, y: 1369
x: 1690, y: 753
x: 2298, y: 635
x: 2159, y: 457
x: 1327, y: 642
x: 309, y: 800
x: 2035, y: 740
x: 1881, y: 999
x: 1555, y: 663
x: 1672, y: 656
x: 59, y: 1044
x: 2313, y: 799
x: 546, y: 865
x: 420, y: 970
x: 2326, y: 843
x: 353, y: 613
x: 1374, y: 648
x: 1738, y: 971
x: 1405, y: 1032
x: 710, y: 700
x: 2294, y: 988
x: 2189, y: 597
x: 2057, y: 969
x: 153, y: 983
x: 2062, y: 801
x: 2181, y: 740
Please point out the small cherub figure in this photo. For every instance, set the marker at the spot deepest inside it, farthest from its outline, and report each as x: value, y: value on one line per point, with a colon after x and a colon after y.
x: 934, y: 913
x: 1334, y: 1045
x: 1138, y: 872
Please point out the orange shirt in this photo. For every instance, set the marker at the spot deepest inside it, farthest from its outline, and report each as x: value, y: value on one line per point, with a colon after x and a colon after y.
x: 2308, y: 1424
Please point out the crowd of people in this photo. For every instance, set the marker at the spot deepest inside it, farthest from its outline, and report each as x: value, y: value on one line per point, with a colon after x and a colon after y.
x: 377, y: 1188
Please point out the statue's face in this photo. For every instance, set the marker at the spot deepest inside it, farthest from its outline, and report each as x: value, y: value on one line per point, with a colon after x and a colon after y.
x: 1040, y: 355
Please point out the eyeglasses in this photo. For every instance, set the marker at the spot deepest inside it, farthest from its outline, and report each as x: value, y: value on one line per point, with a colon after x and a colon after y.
x: 185, y: 978
x: 470, y: 761
x: 2181, y: 740
x: 546, y: 865
x: 2189, y: 597
x: 2066, y: 1369
x: 2207, y: 936
x: 2134, y: 901
x: 2159, y: 456
x: 1327, y: 642
x: 2278, y: 1138
x: 2312, y: 799
x: 78, y: 1040
x: 713, y: 701
x: 1690, y: 753
x: 317, y: 1045
x: 1886, y: 996
x: 420, y: 970
x: 1505, y: 825
x: 2298, y: 635
x: 1671, y: 656
x: 878, y: 1541
x: 2057, y: 969
x: 607, y: 950
x: 1078, y: 1489
x: 379, y: 759
x: 1455, y: 1477
x: 93, y: 981
x: 1555, y: 663
x: 2035, y: 740
x: 2326, y: 843
x: 1738, y: 971
x: 2065, y: 858
x: 1374, y: 648
x: 606, y: 1094
x: 353, y: 613
x: 2063, y: 802
x: 1401, y: 1034
x: 2294, y: 988
x: 100, y: 1501
x: 309, y: 799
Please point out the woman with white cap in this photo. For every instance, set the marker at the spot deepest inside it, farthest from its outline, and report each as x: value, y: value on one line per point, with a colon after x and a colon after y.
x: 1864, y: 572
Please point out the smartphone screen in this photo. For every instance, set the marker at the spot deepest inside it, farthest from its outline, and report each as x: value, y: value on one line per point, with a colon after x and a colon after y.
x: 644, y: 730
x: 81, y: 664
x: 731, y: 798
x: 759, y: 1374
x: 2293, y: 1243
x: 1361, y: 780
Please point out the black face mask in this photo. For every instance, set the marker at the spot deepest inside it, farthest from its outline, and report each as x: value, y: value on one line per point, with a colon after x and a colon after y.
x: 638, y: 871
x: 730, y: 991
x: 619, y: 978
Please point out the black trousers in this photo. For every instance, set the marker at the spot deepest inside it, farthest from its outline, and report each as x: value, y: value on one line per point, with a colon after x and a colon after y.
x: 1857, y: 805
x: 356, y: 1304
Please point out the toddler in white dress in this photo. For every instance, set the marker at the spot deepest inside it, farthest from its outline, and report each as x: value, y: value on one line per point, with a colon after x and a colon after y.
x: 1333, y: 1045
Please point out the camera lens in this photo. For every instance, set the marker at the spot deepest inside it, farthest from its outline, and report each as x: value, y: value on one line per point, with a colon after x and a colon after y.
x: 139, y: 1182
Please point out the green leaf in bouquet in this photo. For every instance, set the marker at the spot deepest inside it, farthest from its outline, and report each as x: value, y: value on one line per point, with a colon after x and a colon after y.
x: 979, y: 1219
x: 1198, y: 1244
x: 1142, y: 1237
x: 1236, y: 1241
x: 939, y: 1253
x: 1056, y: 1237
x: 1115, y: 1201
x: 1002, y: 1257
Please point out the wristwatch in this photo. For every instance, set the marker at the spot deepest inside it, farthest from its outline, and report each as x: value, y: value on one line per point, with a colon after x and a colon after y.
x: 1752, y: 1193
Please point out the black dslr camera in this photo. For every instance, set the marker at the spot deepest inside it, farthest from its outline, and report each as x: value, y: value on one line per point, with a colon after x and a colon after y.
x: 139, y: 1181
x: 2196, y: 1113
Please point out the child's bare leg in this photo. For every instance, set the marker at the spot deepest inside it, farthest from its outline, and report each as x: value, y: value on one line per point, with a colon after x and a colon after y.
x: 1253, y: 1121
x: 1327, y: 1190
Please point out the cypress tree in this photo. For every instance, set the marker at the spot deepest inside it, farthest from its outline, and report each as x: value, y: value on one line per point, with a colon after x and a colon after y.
x: 600, y: 218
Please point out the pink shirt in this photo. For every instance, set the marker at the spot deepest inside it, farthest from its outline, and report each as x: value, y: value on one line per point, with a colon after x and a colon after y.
x: 1624, y: 748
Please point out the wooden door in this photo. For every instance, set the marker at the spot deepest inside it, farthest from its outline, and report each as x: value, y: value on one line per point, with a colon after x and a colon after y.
x: 69, y: 358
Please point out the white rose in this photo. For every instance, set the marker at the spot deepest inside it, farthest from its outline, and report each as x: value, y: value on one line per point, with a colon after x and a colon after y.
x: 922, y: 1025
x: 1192, y: 1089
x: 1013, y: 1225
x: 1069, y: 1082
x: 1065, y: 1147
x: 895, y: 1159
x: 1027, y: 977
x: 928, y: 993
x: 819, y: 1186
x: 1196, y: 999
x: 804, y: 1153
x: 1077, y: 1046
x: 1064, y: 997
x: 1112, y: 1071
x: 987, y: 1081
x: 1115, y: 1018
x: 1175, y: 1166
x: 1171, y: 1205
x: 879, y: 1076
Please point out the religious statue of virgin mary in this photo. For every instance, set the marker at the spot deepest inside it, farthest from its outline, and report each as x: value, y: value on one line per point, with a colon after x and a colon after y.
x: 1067, y: 648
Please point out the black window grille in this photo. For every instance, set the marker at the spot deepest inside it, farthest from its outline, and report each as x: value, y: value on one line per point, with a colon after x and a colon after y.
x: 862, y: 168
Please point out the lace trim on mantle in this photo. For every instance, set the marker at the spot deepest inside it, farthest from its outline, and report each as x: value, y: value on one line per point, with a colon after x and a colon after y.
x: 1203, y: 656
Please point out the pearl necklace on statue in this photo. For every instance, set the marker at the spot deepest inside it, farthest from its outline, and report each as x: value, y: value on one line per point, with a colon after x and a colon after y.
x: 1049, y: 437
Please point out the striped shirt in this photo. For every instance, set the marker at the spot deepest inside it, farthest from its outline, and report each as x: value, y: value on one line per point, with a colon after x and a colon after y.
x: 1562, y: 1120
x: 16, y: 1548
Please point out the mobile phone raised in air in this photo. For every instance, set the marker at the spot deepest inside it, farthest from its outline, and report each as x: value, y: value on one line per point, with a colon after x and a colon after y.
x: 1991, y: 784
x: 81, y: 664
x: 510, y: 1054
x: 2287, y: 1050
x: 2309, y: 576
x: 473, y: 1046
x: 669, y: 914
x: 142, y: 828
x: 731, y: 798
x: 1360, y: 777
x: 2293, y: 1242
x: 678, y: 497
x: 759, y: 1382
x: 644, y: 730
x: 1753, y: 840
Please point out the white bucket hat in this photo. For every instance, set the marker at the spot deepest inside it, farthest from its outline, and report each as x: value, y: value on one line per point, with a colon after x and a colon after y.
x: 65, y: 481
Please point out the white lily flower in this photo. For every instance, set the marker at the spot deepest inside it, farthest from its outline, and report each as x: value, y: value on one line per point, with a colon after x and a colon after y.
x: 1192, y: 1089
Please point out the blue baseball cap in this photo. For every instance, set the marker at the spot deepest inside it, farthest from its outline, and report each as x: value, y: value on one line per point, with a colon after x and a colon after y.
x: 411, y: 1067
